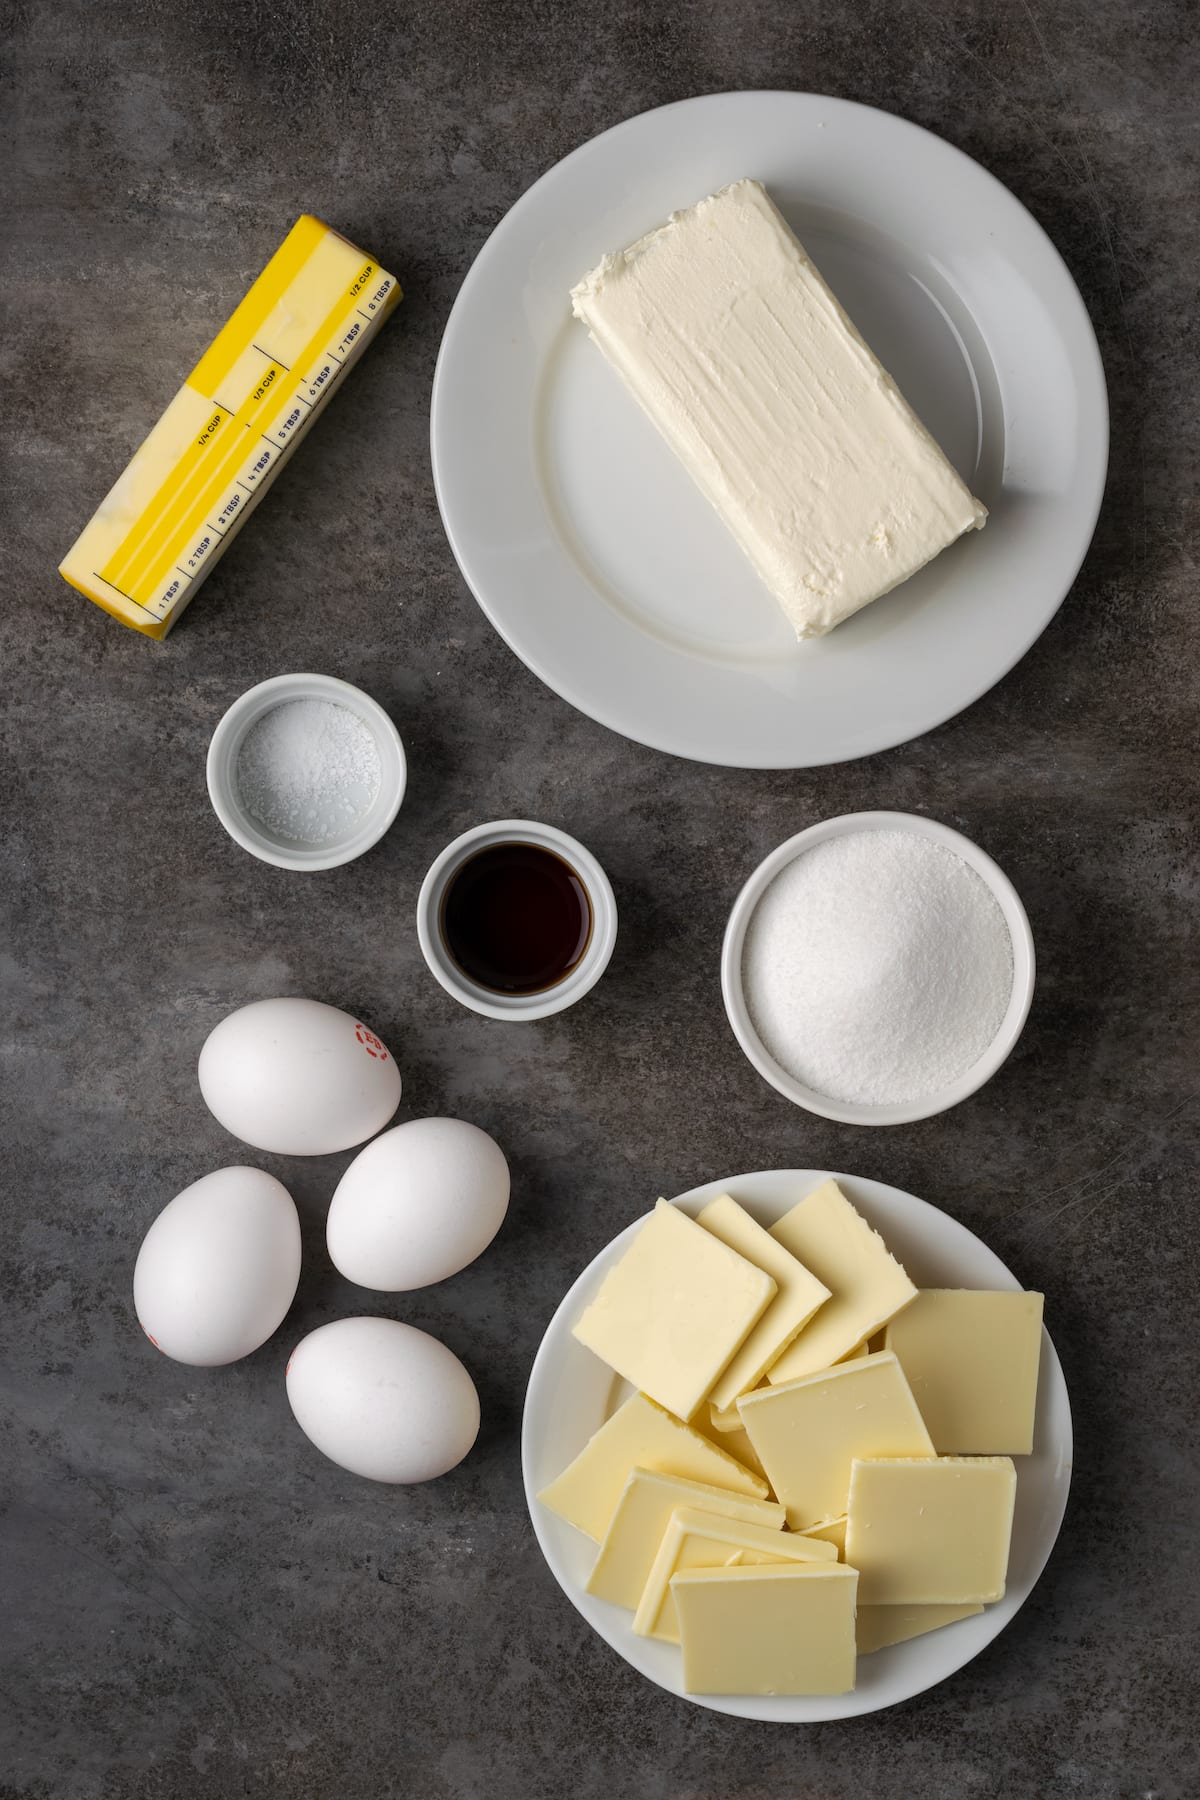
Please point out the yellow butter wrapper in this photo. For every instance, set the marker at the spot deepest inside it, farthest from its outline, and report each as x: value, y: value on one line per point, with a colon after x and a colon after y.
x: 230, y: 428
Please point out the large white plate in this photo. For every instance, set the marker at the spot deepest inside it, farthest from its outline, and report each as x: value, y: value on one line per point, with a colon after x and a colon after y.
x: 571, y: 1393
x: 603, y: 567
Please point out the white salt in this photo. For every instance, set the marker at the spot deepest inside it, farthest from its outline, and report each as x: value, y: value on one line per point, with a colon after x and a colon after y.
x: 308, y: 770
x: 877, y: 968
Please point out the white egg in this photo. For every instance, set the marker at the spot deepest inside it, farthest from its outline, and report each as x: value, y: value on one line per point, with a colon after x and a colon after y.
x: 418, y: 1205
x: 298, y: 1078
x: 383, y: 1399
x: 218, y: 1268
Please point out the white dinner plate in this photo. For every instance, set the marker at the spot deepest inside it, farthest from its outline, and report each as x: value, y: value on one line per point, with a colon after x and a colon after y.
x: 607, y: 572
x: 571, y: 1393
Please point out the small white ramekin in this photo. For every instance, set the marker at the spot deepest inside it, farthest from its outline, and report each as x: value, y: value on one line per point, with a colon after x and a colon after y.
x: 487, y: 1001
x: 1011, y: 1026
x: 258, y: 839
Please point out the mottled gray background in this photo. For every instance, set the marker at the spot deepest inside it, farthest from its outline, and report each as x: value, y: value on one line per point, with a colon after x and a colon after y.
x: 194, y: 1602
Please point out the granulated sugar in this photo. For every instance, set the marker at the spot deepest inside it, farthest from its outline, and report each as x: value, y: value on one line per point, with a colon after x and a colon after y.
x: 308, y: 770
x: 877, y: 967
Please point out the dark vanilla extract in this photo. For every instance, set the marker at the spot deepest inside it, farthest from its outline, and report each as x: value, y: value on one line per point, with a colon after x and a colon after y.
x: 516, y: 918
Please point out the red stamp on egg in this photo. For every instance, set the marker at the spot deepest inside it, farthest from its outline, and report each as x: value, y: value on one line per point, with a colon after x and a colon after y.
x: 370, y: 1042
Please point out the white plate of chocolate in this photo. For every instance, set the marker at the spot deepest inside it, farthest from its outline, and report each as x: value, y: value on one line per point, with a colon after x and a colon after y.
x: 797, y: 1445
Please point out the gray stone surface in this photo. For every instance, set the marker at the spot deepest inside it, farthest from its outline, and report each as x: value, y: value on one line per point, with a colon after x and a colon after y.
x: 193, y: 1602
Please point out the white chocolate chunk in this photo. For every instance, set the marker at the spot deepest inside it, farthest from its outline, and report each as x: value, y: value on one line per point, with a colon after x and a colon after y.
x: 671, y: 1313
x: 808, y: 1432
x: 931, y: 1533
x: 799, y: 1295
x: 639, y: 1434
x: 972, y: 1363
x: 699, y: 1540
x: 775, y: 1629
x: 867, y: 1285
x: 879, y: 1626
x: 642, y: 1516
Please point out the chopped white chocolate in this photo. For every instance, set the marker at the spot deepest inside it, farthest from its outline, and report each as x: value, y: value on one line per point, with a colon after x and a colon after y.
x: 972, y: 1362
x: 808, y: 1432
x: 700, y: 1540
x: 799, y: 1296
x: 642, y: 1516
x: 879, y: 1626
x: 779, y: 1628
x: 671, y: 1313
x: 866, y: 1283
x: 640, y: 1434
x: 930, y: 1533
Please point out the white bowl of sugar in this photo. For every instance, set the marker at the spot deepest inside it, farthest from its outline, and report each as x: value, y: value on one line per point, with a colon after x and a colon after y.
x: 306, y: 771
x: 878, y: 968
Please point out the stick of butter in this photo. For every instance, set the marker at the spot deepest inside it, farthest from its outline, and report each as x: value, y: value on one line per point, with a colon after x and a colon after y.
x: 230, y: 428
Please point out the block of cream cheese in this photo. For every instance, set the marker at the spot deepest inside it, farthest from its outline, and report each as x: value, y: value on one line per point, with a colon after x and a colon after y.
x: 867, y: 1284
x: 643, y: 1513
x: 727, y: 336
x: 639, y: 1435
x: 799, y: 1295
x: 778, y: 1628
x: 671, y: 1313
x: 972, y: 1362
x: 808, y: 1432
x: 700, y: 1540
x: 930, y: 1533
x: 878, y: 1626
x: 230, y: 428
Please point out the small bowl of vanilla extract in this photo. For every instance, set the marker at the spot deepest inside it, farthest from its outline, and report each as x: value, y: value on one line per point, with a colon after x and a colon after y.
x: 517, y: 920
